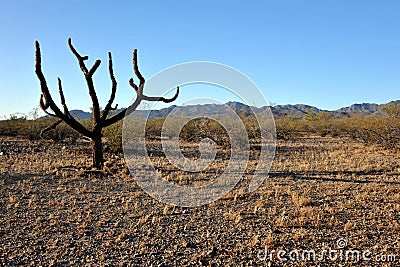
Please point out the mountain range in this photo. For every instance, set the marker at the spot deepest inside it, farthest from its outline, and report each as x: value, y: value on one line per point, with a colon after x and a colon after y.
x: 297, y: 111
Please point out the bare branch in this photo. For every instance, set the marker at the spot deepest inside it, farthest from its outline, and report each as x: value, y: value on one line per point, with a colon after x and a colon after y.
x: 44, y: 106
x: 94, y: 67
x: 51, y: 127
x: 100, y: 120
x: 132, y: 83
x: 140, y: 95
x: 137, y: 72
x: 78, y: 56
x: 133, y: 107
x: 89, y: 81
x: 113, y: 89
x: 165, y: 100
x: 46, y: 101
x: 123, y: 113
x: 60, y: 90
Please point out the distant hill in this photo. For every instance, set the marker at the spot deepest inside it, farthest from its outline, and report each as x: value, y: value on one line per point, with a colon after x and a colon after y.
x: 297, y: 111
x: 367, y: 108
x: 80, y: 114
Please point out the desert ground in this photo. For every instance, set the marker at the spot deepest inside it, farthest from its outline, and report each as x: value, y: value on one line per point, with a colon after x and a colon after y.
x: 323, y: 195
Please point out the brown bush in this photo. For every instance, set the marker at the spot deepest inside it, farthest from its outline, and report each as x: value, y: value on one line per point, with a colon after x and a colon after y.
x: 384, y: 131
x: 31, y: 129
x: 288, y: 128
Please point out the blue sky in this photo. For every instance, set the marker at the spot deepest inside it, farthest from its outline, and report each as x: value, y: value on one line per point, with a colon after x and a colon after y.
x: 323, y: 53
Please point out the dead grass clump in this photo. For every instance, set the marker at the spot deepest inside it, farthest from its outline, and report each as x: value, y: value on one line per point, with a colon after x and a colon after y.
x: 300, y: 200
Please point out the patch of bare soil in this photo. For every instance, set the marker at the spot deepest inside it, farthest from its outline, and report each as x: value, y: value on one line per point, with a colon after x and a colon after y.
x: 322, y: 196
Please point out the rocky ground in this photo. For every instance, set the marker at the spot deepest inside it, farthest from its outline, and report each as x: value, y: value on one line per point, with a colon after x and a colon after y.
x: 322, y: 195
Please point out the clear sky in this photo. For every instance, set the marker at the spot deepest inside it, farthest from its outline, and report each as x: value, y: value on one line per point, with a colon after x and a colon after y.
x: 328, y: 54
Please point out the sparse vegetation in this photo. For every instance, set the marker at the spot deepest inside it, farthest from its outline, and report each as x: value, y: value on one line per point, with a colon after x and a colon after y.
x: 332, y: 178
x: 382, y: 129
x: 57, y: 211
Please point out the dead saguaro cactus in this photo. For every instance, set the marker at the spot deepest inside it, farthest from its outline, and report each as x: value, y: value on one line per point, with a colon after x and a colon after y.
x: 100, y: 118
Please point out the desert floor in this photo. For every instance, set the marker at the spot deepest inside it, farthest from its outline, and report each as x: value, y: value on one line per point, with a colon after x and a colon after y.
x: 322, y: 195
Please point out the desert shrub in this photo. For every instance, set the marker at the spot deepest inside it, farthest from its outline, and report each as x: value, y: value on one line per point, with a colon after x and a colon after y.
x: 60, y: 133
x: 154, y: 127
x: 10, y: 127
x: 200, y: 128
x: 324, y: 123
x: 391, y: 110
x: 338, y: 126
x: 252, y: 127
x: 321, y: 123
x: 31, y: 129
x: 384, y: 131
x: 311, y: 115
x: 113, y: 136
x: 288, y: 128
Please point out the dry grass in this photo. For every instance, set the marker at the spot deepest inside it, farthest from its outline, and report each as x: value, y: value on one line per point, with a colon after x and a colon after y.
x: 56, y: 213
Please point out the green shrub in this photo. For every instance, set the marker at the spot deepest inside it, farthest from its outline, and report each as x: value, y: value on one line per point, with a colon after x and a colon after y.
x: 113, y: 136
x: 154, y: 127
x: 288, y: 127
